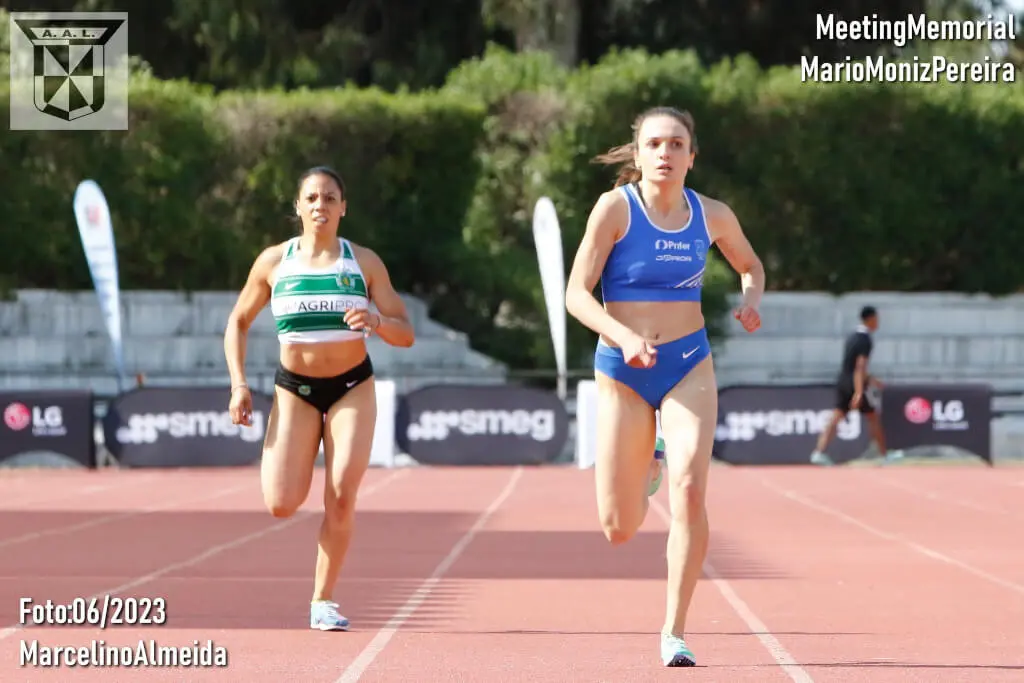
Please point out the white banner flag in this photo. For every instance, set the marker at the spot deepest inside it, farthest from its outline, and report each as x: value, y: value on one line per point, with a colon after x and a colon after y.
x: 547, y: 235
x: 97, y: 232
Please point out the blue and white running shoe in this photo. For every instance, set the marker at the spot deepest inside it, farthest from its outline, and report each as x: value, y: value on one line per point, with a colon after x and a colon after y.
x: 323, y: 616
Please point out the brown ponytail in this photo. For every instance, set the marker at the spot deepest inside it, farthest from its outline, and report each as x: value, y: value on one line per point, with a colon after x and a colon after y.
x: 624, y: 155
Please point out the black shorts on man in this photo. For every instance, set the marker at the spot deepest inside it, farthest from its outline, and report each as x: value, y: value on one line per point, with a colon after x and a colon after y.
x: 844, y: 396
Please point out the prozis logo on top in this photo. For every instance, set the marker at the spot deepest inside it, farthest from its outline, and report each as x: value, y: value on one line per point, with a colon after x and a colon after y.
x: 944, y: 415
x: 48, y: 421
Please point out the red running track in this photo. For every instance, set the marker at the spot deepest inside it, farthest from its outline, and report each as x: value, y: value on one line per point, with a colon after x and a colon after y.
x: 495, y: 574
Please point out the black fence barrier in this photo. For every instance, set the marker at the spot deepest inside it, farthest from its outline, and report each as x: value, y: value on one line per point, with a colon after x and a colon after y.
x: 957, y: 415
x: 779, y: 425
x: 183, y: 427
x: 47, y: 427
x: 455, y: 424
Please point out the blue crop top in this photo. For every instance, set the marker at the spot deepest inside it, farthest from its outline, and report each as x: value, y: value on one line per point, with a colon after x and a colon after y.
x: 651, y: 264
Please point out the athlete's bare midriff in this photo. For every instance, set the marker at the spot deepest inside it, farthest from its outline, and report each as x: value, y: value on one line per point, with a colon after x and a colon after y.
x: 657, y: 321
x: 326, y: 359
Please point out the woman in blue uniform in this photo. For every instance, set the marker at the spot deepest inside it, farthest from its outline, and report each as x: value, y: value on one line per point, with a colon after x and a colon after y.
x: 647, y: 241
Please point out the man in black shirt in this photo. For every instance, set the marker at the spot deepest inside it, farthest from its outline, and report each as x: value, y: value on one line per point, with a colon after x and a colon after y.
x: 851, y: 387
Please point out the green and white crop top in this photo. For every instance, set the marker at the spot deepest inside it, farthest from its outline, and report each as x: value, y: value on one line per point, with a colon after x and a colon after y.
x: 309, y: 304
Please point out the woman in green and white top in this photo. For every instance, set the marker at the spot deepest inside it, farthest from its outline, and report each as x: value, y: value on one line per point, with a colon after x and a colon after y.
x: 319, y: 287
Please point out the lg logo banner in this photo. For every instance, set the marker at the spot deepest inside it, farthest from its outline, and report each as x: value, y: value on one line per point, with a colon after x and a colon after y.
x: 941, y: 414
x: 956, y: 415
x: 54, y: 423
x: 45, y: 421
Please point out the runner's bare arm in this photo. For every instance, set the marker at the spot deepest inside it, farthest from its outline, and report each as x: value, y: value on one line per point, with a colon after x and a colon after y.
x: 608, y: 219
x: 392, y: 324
x: 726, y: 232
x: 254, y: 296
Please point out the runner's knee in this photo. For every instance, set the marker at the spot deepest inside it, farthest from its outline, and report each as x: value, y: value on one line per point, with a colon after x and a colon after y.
x: 281, y: 507
x: 686, y: 496
x: 618, y: 526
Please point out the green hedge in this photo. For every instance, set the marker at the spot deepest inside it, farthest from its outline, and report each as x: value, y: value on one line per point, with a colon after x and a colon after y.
x: 201, y: 184
x: 521, y: 94
x: 840, y: 186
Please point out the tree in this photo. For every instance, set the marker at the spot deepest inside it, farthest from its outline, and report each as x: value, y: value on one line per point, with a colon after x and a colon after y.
x: 547, y: 25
